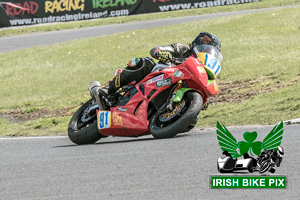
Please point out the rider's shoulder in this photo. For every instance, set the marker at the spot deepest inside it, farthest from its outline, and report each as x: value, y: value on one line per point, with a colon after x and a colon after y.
x: 178, y: 45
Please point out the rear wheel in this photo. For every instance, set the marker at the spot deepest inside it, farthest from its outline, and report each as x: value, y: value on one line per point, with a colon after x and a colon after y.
x: 82, y: 128
x: 167, y: 124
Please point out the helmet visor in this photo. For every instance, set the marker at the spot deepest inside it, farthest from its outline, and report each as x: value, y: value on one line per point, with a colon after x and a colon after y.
x: 204, y: 48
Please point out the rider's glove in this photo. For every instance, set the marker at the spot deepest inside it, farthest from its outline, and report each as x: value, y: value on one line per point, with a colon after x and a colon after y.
x: 163, y: 56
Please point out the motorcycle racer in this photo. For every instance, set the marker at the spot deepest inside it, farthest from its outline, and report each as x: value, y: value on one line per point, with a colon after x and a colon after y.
x: 181, y: 52
x: 268, y: 159
x: 138, y: 68
x: 166, y: 102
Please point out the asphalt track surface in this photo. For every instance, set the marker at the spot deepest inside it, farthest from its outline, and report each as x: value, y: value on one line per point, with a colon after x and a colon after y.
x: 14, y: 43
x: 128, y: 168
x: 134, y: 168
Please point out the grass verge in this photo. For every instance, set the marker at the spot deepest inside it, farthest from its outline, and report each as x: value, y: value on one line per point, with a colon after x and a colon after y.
x: 260, y: 68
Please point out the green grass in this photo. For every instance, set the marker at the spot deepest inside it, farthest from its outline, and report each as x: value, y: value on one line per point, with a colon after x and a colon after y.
x: 267, y: 108
x: 144, y: 17
x: 259, y: 46
x: 40, y: 127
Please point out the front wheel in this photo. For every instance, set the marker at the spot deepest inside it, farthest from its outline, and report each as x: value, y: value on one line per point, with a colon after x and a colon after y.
x: 82, y: 128
x: 265, y: 166
x: 167, y: 124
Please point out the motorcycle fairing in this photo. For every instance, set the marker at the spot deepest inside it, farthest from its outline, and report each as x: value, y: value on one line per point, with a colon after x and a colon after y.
x: 132, y: 120
x: 211, y: 64
x: 196, y: 76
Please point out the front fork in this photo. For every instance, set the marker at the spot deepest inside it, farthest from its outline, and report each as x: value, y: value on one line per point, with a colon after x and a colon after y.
x: 177, y: 87
x: 178, y: 94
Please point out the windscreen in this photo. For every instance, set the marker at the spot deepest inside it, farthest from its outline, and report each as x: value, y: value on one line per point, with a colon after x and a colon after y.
x: 204, y: 48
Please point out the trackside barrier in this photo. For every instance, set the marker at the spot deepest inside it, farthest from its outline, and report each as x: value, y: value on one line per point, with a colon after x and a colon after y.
x: 30, y: 12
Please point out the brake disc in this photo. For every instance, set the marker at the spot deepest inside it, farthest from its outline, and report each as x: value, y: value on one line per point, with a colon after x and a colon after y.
x: 170, y: 114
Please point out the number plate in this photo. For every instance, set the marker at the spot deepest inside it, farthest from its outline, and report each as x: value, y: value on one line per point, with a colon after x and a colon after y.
x: 103, y: 119
x: 213, y: 64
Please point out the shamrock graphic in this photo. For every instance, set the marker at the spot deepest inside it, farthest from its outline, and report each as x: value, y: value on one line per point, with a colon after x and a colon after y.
x: 254, y: 147
x: 228, y: 143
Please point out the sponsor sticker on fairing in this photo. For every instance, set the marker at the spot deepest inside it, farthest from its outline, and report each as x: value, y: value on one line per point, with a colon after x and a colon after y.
x: 122, y: 109
x: 178, y: 74
x: 155, y: 79
x: 164, y: 82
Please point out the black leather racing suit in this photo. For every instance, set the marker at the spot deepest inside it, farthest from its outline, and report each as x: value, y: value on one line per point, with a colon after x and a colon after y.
x: 145, y: 65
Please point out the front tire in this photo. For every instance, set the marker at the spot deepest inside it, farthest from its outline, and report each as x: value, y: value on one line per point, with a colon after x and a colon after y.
x: 82, y: 128
x: 265, y: 166
x: 166, y: 129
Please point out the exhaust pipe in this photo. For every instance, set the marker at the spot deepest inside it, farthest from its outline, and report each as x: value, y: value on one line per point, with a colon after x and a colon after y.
x: 94, y: 87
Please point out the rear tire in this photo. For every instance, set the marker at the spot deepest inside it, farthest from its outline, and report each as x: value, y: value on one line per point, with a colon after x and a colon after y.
x: 83, y: 132
x: 182, y: 121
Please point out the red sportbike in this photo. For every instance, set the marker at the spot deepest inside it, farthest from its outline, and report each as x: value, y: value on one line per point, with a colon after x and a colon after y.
x: 166, y: 102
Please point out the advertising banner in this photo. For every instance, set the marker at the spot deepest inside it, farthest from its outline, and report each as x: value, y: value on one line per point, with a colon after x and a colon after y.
x: 30, y: 12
